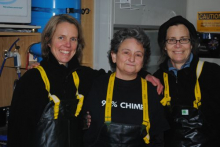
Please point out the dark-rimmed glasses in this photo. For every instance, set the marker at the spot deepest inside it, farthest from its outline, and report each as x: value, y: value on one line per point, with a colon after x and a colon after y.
x: 181, y: 41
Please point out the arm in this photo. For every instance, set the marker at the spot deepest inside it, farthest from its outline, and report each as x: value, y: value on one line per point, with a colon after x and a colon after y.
x: 18, y: 119
x: 155, y: 81
x: 25, y: 110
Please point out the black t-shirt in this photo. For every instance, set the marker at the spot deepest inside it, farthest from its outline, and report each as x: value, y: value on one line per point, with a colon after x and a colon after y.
x: 126, y: 106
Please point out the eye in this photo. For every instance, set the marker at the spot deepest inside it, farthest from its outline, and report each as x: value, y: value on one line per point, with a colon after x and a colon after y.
x: 183, y: 39
x: 172, y: 40
x: 60, y: 37
x: 125, y: 52
x: 139, y: 55
x: 74, y: 39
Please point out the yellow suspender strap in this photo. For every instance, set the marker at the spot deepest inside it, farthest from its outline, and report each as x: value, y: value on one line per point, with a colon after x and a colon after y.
x: 146, y: 120
x: 51, y: 97
x: 197, y: 102
x: 44, y: 77
x: 80, y: 97
x: 108, y: 106
x: 166, y: 100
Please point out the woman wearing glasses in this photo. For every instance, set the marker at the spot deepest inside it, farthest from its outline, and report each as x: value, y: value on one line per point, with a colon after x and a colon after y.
x: 191, y: 94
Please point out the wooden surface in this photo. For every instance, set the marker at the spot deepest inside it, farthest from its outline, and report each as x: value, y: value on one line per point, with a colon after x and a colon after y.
x: 7, y: 79
x: 87, y: 23
x: 9, y: 74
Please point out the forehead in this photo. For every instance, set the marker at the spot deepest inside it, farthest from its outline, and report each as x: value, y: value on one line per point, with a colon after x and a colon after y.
x: 177, y: 31
x: 66, y: 27
x: 131, y: 44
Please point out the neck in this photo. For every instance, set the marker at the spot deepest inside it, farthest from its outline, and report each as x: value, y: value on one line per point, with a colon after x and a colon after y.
x: 177, y: 65
x: 65, y: 64
x: 125, y: 76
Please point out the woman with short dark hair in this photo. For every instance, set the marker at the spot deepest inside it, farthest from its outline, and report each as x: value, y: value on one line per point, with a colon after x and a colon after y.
x: 125, y: 109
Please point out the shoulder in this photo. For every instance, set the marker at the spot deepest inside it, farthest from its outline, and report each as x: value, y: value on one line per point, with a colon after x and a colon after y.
x: 158, y: 73
x: 210, y: 74
x: 211, y: 65
x: 89, y: 69
x: 89, y: 72
x: 29, y: 81
x: 32, y: 75
x: 210, y: 69
x: 102, y: 79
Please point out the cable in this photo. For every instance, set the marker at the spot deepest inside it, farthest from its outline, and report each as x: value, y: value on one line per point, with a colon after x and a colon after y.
x: 19, y: 75
x: 3, y: 63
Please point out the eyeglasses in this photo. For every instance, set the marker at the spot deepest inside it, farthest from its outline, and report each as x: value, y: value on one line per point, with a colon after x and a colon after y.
x: 174, y: 41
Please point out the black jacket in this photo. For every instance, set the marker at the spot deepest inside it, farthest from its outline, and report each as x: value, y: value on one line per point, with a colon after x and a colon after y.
x: 182, y: 92
x: 30, y: 97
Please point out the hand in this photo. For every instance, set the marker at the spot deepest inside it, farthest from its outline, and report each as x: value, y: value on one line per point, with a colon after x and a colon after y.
x: 33, y: 65
x: 156, y: 82
x: 87, y: 120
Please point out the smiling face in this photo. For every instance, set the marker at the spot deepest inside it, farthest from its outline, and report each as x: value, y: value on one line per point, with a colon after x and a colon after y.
x: 64, y: 42
x: 128, y: 59
x: 178, y: 53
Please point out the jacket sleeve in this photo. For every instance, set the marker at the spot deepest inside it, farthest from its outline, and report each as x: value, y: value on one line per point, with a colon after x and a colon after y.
x: 92, y: 105
x: 157, y: 140
x: 143, y: 73
x: 25, y: 111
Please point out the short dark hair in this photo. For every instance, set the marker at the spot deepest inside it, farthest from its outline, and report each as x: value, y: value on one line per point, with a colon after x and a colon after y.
x: 177, y: 20
x: 50, y: 29
x: 126, y: 33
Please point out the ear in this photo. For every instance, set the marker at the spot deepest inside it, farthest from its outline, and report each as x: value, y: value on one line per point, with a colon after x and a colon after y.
x: 113, y: 57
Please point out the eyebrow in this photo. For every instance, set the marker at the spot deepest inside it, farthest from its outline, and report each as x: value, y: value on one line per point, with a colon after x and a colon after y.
x: 180, y: 37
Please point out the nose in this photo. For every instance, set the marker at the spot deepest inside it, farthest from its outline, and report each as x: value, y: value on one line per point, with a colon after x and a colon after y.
x: 67, y: 43
x: 132, y: 58
x: 178, y: 43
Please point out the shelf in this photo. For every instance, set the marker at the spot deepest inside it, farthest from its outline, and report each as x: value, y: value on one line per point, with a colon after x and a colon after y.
x: 18, y: 34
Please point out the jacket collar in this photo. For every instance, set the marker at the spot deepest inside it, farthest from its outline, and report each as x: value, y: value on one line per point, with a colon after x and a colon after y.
x: 164, y: 66
x: 52, y: 64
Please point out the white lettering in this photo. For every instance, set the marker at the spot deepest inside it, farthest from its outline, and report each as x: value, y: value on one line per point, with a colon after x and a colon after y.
x: 128, y: 105
x: 122, y: 105
x: 114, y: 104
x: 125, y: 105
x: 138, y: 106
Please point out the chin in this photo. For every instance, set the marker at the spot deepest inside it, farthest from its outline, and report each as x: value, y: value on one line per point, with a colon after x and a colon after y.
x: 131, y: 72
x: 63, y: 61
